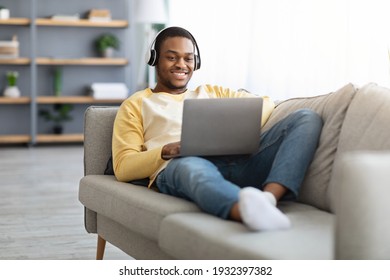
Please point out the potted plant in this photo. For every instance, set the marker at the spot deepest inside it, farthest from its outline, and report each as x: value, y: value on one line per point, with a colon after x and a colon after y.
x: 12, y: 89
x: 59, y: 115
x: 106, y: 44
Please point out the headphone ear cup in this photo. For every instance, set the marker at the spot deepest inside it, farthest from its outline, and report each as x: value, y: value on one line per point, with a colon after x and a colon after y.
x: 152, y: 58
x: 197, y: 62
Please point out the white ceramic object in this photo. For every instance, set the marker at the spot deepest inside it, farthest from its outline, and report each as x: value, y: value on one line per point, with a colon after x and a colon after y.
x: 108, y: 52
x: 12, y: 91
x: 4, y: 14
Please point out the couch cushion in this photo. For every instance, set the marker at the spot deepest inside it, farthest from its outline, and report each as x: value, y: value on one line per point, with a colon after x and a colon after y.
x: 138, y: 208
x: 366, y: 124
x: 202, y: 236
x: 367, y: 121
x: 332, y: 108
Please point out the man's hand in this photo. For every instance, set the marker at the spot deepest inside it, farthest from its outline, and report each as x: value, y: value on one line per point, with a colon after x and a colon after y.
x: 170, y: 150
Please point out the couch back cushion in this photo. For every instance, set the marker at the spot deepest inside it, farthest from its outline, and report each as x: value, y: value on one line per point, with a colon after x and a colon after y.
x: 98, y: 125
x: 332, y: 107
x: 366, y: 125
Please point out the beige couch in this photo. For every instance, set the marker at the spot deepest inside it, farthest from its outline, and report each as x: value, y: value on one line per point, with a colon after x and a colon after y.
x: 341, y: 212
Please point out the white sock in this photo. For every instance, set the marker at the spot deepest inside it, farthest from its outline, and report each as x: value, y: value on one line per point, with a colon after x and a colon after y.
x: 271, y: 198
x: 259, y: 213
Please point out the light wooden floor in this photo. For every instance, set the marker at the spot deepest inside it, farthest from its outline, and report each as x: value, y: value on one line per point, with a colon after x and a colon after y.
x: 40, y: 215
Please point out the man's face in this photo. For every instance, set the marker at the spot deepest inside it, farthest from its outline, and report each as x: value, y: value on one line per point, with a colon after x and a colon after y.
x: 175, y: 65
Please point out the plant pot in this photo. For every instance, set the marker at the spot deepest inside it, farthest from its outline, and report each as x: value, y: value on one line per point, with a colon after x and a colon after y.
x: 58, y: 129
x: 12, y: 91
x: 108, y: 52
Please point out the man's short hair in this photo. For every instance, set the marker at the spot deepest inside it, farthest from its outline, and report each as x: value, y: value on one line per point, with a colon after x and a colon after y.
x: 169, y: 33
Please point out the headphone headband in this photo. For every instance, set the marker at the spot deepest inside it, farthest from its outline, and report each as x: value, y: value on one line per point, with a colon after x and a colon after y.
x: 152, y: 55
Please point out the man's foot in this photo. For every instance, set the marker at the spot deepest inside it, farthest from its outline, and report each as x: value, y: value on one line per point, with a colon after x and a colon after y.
x: 258, y: 212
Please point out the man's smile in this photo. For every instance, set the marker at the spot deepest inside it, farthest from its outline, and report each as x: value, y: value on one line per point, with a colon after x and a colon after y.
x: 179, y: 75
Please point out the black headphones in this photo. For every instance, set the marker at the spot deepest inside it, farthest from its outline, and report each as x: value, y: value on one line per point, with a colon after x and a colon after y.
x: 152, y: 56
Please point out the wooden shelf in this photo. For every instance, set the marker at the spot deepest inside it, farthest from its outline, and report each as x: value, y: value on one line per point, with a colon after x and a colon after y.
x: 82, y: 23
x: 17, y: 100
x: 59, y: 138
x: 15, y: 61
x: 14, y: 139
x: 75, y: 100
x: 97, y: 61
x: 15, y: 21
x: 82, y: 61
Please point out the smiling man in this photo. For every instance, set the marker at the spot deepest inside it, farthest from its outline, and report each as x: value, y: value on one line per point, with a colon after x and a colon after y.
x: 175, y: 65
x: 246, y: 189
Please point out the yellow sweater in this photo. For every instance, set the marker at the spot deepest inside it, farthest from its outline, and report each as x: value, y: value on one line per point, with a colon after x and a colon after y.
x: 146, y: 121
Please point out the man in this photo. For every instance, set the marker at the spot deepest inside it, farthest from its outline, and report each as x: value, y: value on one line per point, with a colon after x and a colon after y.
x: 241, y: 188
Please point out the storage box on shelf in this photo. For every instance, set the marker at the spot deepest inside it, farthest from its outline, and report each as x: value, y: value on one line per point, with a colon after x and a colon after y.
x: 9, y: 49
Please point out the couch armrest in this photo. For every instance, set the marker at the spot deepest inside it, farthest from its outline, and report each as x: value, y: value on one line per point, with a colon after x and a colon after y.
x: 98, y: 125
x: 362, y: 206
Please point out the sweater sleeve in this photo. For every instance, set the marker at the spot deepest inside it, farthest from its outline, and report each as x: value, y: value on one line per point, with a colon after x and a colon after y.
x: 131, y: 160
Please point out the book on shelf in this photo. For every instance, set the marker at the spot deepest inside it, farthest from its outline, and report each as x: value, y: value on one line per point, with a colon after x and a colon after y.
x: 64, y: 17
x: 109, y: 91
x: 9, y: 49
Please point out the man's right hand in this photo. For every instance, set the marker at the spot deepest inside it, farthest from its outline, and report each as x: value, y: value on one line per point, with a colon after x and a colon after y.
x: 170, y: 150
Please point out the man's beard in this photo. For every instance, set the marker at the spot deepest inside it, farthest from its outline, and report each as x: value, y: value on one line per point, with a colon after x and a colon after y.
x: 171, y: 86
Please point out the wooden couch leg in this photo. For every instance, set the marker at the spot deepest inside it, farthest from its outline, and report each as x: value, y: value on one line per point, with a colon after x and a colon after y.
x: 101, y: 246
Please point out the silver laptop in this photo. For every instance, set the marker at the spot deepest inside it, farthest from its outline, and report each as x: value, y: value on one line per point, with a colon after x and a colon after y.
x: 221, y: 126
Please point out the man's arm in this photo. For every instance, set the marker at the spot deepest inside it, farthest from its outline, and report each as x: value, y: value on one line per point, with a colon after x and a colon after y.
x: 130, y: 159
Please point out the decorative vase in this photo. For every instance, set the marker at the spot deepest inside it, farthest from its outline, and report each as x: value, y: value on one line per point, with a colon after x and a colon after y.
x: 12, y: 91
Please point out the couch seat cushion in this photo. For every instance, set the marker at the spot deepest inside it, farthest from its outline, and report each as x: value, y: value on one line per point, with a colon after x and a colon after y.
x: 138, y: 208
x: 202, y: 236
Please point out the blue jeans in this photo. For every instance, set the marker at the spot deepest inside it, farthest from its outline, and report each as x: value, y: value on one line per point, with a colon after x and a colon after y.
x: 213, y: 183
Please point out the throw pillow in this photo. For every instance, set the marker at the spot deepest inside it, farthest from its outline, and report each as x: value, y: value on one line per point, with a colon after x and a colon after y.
x: 332, y: 108
x: 109, y: 167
